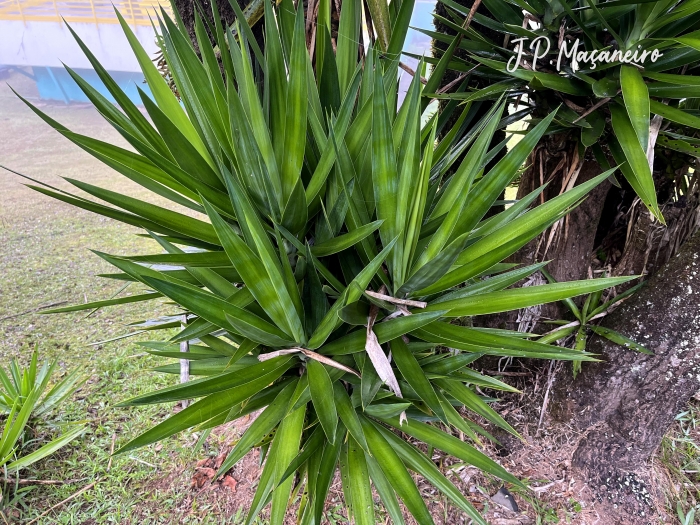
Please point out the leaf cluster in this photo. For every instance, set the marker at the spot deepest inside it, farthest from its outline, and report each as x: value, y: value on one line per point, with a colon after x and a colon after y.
x: 608, y: 105
x: 325, y: 241
x: 592, y: 310
x: 25, y: 400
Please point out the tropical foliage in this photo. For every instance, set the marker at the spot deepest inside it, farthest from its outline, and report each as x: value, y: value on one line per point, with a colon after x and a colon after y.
x: 25, y: 401
x: 321, y: 244
x: 608, y: 104
x: 585, y: 318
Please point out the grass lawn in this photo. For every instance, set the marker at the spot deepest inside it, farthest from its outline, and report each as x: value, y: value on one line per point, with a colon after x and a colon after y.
x: 45, y: 259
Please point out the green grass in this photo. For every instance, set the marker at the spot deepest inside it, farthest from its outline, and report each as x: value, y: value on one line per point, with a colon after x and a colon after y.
x: 45, y: 259
x: 679, y: 457
x: 51, y: 264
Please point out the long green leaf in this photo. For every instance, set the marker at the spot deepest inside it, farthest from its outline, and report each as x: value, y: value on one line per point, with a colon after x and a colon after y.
x: 473, y: 402
x: 488, y: 343
x: 639, y: 176
x: 262, y: 426
x: 618, y: 338
x: 675, y: 115
x: 414, y: 376
x: 161, y: 91
x: 221, y: 312
x: 384, y: 166
x: 636, y: 97
x: 362, y: 504
x: 106, y: 211
x: 504, y: 300
x: 321, y: 389
x: 348, y: 37
x: 453, y: 446
x: 256, y: 374
x: 199, y: 412
x: 419, y: 463
x: 166, y: 218
x: 385, y: 491
x: 297, y: 103
x: 343, y: 242
x: 348, y: 415
x: 396, y: 473
x: 47, y: 449
x: 287, y: 438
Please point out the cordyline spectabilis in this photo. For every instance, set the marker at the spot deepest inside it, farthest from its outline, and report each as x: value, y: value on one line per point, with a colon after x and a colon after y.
x: 328, y: 243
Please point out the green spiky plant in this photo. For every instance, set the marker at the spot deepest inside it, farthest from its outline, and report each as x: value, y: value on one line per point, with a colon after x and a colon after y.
x: 25, y: 400
x: 584, y: 322
x: 613, y: 109
x: 327, y: 245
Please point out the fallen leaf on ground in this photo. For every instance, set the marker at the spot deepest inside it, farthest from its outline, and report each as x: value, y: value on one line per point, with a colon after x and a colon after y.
x: 229, y: 483
x: 202, y: 476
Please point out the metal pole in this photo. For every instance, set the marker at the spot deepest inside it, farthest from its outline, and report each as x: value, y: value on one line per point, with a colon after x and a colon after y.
x: 184, y: 363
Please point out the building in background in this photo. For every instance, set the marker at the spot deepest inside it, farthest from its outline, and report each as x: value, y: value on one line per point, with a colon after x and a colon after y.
x: 35, y: 42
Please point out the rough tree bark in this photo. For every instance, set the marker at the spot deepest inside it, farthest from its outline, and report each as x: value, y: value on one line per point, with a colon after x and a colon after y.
x: 569, y: 244
x: 625, y: 403
x: 187, y: 8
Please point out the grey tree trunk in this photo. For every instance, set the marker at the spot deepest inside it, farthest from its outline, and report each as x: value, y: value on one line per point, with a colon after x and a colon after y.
x: 625, y: 404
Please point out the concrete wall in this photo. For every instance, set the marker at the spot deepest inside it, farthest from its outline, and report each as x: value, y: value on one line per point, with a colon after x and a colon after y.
x: 50, y: 43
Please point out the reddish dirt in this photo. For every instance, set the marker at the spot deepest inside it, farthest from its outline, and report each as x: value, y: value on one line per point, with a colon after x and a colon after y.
x: 556, y: 495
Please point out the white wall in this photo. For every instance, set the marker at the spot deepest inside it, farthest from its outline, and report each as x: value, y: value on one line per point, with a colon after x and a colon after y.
x: 49, y: 43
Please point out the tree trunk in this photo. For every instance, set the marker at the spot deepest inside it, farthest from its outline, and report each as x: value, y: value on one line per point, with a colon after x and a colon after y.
x: 187, y: 8
x: 624, y: 404
x: 610, y: 232
x: 569, y: 244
